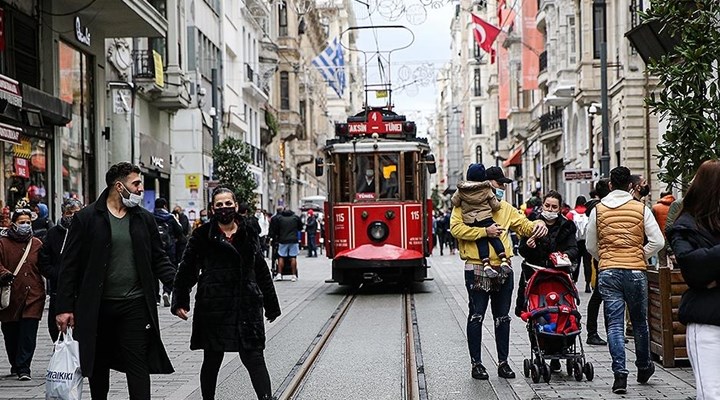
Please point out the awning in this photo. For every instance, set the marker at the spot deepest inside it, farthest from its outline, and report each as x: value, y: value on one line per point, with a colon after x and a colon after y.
x: 515, y: 158
x: 54, y: 111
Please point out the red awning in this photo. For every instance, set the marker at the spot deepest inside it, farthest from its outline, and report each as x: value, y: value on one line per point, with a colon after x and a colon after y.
x: 515, y: 158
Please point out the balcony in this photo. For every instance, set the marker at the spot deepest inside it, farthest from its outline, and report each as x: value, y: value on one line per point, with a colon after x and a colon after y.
x: 540, y: 18
x: 518, y: 123
x: 255, y: 85
x: 258, y: 157
x: 175, y: 92
x: 116, y: 18
x: 290, y: 125
x: 551, y: 125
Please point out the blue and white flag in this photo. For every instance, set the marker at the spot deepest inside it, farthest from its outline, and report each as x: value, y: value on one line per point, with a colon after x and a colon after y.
x: 331, y: 64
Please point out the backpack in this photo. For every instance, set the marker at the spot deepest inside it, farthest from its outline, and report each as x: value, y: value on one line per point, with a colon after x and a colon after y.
x: 168, y: 243
x: 581, y: 221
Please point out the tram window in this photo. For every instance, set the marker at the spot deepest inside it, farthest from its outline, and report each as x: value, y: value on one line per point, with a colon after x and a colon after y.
x: 411, y: 183
x: 343, y: 177
x: 389, y: 176
x: 365, y: 176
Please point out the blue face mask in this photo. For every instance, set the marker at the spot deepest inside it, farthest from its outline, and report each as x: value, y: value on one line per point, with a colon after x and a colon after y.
x: 500, y: 193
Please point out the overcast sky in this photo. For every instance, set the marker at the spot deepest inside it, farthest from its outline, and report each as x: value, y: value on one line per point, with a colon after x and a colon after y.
x: 418, y: 63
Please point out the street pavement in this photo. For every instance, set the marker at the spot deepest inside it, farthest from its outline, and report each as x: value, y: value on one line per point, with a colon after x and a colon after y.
x: 441, y: 306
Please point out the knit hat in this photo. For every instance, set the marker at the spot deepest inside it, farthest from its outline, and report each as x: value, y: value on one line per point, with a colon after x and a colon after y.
x: 476, y: 173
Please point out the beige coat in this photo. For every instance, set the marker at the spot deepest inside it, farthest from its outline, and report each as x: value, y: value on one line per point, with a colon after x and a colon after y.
x: 476, y: 200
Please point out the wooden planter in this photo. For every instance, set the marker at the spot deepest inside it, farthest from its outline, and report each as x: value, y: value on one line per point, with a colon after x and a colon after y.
x: 667, y: 334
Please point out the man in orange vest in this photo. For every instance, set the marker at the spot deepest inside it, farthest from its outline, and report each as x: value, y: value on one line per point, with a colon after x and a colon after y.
x: 660, y: 211
x: 616, y: 232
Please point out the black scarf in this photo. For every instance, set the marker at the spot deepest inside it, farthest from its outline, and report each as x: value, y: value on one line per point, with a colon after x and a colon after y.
x: 14, y: 235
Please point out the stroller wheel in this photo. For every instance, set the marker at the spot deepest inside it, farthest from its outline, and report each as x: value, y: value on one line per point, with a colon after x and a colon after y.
x: 577, y: 371
x: 570, y: 367
x: 535, y: 373
x: 546, y: 373
x: 526, y: 367
x: 589, y: 371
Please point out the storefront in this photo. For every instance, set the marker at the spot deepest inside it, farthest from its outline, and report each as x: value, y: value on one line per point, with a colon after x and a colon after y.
x: 155, y: 166
x: 76, y: 87
x: 28, y: 117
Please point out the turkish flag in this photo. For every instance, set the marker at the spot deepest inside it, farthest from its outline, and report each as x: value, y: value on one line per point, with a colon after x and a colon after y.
x: 485, y: 35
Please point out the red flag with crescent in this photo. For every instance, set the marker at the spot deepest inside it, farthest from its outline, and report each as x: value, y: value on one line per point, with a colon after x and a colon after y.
x: 485, y: 35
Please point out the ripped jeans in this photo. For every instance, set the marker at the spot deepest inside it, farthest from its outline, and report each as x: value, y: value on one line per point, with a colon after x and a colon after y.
x: 500, y: 305
x: 620, y: 288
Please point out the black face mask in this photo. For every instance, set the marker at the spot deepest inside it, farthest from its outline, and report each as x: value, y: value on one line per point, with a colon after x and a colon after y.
x: 224, y: 215
x: 644, y: 191
x: 66, y: 221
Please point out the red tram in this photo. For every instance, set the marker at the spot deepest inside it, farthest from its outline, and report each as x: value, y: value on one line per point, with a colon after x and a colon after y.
x: 378, y: 219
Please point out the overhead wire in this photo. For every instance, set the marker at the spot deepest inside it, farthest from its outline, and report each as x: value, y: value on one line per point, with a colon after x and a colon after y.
x: 65, y: 14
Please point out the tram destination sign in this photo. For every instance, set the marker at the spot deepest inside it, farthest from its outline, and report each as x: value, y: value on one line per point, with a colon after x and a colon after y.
x: 383, y: 127
x: 574, y: 175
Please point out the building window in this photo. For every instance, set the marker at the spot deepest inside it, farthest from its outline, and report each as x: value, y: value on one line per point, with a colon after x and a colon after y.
x: 303, y: 112
x: 284, y: 90
x: 478, y: 84
x: 476, y: 51
x: 571, y: 39
x: 20, y: 59
x: 478, y: 120
x: 282, y: 19
x: 599, y: 34
x: 478, y: 154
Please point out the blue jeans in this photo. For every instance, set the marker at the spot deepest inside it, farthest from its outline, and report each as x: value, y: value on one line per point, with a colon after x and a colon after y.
x: 620, y: 288
x: 477, y: 305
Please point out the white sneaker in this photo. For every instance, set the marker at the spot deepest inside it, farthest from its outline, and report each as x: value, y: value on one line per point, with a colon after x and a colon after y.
x: 294, y: 278
x: 278, y: 277
x: 166, y: 299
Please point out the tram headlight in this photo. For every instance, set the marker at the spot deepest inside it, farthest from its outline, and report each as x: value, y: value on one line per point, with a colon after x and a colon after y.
x: 378, y: 231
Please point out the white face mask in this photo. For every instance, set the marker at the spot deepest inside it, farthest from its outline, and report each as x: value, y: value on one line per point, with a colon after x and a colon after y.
x: 550, y: 215
x: 133, y: 200
x: 369, y: 173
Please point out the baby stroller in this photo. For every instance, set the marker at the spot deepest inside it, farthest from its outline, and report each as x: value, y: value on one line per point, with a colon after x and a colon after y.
x: 553, y: 324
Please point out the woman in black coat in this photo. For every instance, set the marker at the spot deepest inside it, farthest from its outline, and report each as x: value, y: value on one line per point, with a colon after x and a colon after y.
x: 695, y: 240
x: 234, y: 285
x: 560, y: 238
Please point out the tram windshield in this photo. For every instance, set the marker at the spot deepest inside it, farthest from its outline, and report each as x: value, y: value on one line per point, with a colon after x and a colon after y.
x: 376, y: 177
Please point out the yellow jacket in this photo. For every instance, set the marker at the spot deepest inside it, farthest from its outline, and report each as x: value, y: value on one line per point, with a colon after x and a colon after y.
x: 507, y: 216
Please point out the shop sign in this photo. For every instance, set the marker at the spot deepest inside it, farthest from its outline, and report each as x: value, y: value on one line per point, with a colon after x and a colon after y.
x: 21, y: 168
x: 82, y: 33
x: 154, y: 154
x: 9, y: 133
x: 10, y: 91
x: 192, y: 181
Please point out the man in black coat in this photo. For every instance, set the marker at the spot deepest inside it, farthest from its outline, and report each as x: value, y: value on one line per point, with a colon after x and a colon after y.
x: 49, y: 259
x: 112, y: 256
x: 284, y: 229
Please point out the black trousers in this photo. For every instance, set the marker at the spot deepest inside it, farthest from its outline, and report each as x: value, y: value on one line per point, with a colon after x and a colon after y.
x: 526, y: 274
x: 586, y: 262
x: 253, y: 360
x: 593, y: 309
x: 20, y: 339
x: 123, y: 335
x: 52, y: 324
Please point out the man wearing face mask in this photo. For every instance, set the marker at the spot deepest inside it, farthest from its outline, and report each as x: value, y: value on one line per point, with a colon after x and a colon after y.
x: 484, y: 289
x: 640, y: 188
x: 616, y: 233
x: 112, y: 256
x: 51, y: 255
x: 367, y: 184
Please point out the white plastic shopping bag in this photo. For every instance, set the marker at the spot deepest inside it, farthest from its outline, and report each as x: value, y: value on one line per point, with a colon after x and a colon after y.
x: 63, y: 380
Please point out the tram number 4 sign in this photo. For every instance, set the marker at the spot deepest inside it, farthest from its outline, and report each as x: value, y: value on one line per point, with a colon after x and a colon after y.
x: 571, y: 175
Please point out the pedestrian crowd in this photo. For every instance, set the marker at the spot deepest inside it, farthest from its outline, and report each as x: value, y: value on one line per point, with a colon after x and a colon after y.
x: 613, y: 237
x: 108, y: 266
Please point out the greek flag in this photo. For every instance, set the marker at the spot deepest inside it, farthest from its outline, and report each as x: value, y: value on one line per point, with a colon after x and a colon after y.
x: 331, y: 64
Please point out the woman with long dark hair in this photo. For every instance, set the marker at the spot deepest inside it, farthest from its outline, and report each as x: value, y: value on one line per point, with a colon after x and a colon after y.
x: 224, y: 259
x: 695, y: 240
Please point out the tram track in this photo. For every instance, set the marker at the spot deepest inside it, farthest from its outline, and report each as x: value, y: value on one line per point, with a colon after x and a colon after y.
x: 413, y: 386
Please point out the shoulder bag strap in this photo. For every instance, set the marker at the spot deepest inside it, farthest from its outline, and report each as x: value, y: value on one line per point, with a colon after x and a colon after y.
x: 24, y: 257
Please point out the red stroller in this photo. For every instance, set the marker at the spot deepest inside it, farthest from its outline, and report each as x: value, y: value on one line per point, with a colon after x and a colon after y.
x: 553, y: 324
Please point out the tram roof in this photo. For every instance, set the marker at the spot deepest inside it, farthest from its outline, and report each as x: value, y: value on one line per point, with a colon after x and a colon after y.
x: 373, y: 146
